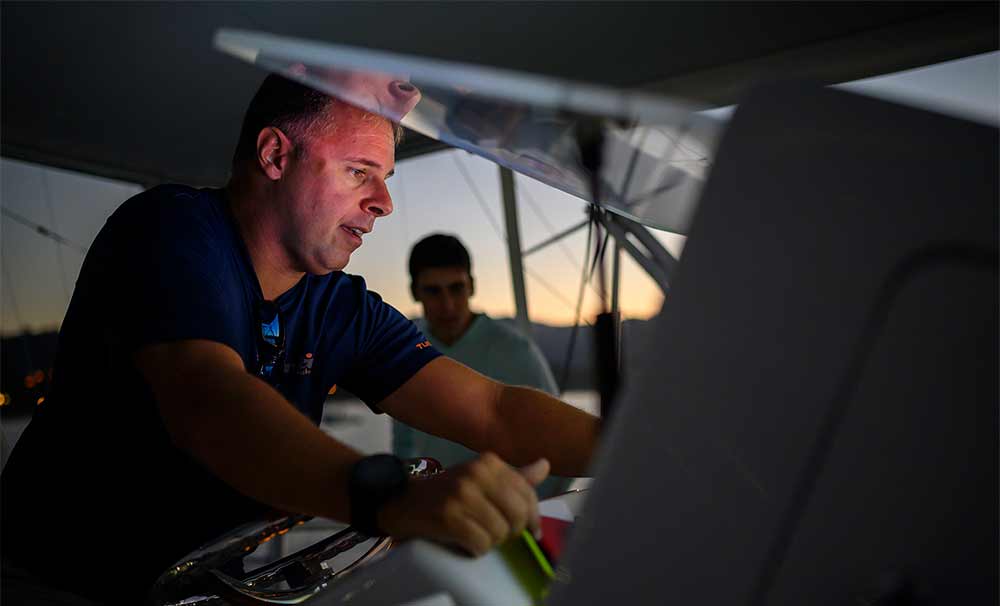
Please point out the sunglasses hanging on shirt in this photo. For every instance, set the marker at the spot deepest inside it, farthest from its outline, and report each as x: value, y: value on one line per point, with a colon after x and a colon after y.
x: 270, y: 342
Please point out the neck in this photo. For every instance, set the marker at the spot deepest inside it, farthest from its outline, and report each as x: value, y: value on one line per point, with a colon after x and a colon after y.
x: 450, y: 338
x: 270, y: 261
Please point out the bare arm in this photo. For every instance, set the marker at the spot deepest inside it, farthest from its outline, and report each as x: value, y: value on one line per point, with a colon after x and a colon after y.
x: 520, y: 424
x: 249, y: 436
x: 244, y: 431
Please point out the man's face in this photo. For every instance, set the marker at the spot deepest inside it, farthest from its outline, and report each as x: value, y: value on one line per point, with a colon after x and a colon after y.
x: 444, y: 292
x: 334, y: 189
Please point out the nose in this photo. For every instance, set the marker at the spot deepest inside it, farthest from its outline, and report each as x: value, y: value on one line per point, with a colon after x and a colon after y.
x: 447, y: 302
x: 379, y: 204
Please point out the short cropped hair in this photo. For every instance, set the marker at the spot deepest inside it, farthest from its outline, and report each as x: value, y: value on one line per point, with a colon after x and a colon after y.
x: 296, y: 109
x: 438, y: 250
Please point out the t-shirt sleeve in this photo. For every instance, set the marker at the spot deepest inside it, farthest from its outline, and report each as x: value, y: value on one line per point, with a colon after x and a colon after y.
x: 177, y: 277
x: 390, y: 350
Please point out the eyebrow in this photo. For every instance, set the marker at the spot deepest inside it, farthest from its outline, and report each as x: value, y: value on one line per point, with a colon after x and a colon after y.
x: 372, y: 164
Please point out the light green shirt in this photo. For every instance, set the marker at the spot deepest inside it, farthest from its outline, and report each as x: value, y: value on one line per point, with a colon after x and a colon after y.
x: 499, y: 352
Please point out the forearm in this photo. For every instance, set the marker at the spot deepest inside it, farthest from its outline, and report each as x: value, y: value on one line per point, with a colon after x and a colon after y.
x: 530, y: 424
x: 248, y: 435
x: 448, y: 399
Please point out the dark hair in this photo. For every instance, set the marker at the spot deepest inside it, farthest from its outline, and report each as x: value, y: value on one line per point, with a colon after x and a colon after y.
x: 283, y: 103
x: 438, y: 250
x: 294, y: 108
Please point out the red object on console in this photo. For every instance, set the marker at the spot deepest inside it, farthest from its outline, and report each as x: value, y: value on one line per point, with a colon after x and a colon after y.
x: 554, y: 536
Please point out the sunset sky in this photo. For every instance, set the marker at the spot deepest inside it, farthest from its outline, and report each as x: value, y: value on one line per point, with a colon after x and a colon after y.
x: 39, y: 273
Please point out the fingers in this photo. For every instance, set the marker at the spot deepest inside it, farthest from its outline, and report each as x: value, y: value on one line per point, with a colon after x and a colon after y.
x: 476, y: 506
x: 481, y: 508
x: 536, y: 472
x: 471, y: 536
x: 508, y: 491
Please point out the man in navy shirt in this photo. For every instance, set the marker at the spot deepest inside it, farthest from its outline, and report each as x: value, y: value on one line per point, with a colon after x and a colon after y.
x: 205, y: 330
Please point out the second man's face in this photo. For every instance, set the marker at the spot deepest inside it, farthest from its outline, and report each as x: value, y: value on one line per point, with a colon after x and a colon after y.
x: 444, y: 293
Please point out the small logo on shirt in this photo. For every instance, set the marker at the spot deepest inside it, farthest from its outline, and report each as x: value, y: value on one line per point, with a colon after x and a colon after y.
x: 423, y: 345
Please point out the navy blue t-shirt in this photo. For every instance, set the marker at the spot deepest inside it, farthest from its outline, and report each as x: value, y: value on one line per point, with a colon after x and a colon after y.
x: 96, y: 467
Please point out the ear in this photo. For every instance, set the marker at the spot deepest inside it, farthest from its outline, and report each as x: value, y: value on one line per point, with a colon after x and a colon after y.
x: 273, y: 152
x: 413, y: 291
x: 472, y: 286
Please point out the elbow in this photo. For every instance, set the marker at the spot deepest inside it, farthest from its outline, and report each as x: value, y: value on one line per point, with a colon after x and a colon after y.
x: 181, y: 426
x: 498, y: 431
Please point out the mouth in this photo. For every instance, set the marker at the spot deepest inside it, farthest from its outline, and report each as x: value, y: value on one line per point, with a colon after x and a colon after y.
x: 355, y: 233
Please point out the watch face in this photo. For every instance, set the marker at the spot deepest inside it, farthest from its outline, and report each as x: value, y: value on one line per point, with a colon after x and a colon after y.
x: 381, y: 474
x: 374, y: 480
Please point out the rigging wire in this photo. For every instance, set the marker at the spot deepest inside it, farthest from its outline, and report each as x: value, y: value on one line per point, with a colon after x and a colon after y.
x: 538, y: 213
x: 556, y: 237
x: 665, y: 187
x: 584, y: 279
x: 632, y: 162
x: 44, y: 231
x: 503, y: 238
x: 562, y: 245
x: 479, y: 197
x: 52, y: 221
x: 679, y: 141
x: 552, y: 291
x: 603, y: 237
x: 677, y: 145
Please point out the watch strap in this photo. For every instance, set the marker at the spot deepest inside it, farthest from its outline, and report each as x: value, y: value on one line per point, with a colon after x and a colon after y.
x: 374, y: 480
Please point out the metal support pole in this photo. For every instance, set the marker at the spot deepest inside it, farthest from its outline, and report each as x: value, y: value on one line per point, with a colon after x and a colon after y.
x: 514, y: 249
x: 655, y: 259
x: 656, y: 272
x: 616, y: 279
x: 616, y: 269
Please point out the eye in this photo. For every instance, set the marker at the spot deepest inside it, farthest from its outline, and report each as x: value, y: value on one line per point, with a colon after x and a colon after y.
x: 358, y: 173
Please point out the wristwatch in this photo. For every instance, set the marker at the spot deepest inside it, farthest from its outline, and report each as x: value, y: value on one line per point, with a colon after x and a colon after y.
x: 374, y: 480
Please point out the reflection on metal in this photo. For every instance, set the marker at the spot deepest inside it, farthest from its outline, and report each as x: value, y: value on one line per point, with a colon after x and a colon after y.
x: 215, y: 571
x: 305, y: 571
x: 514, y: 250
x: 657, y: 151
